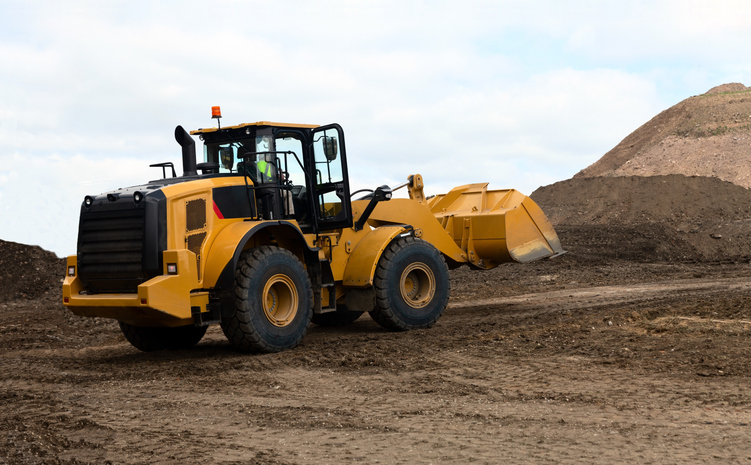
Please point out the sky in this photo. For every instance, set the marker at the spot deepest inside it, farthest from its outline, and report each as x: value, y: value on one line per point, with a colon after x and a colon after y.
x: 519, y: 94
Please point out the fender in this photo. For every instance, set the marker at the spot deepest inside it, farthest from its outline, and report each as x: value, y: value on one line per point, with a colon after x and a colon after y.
x: 225, y: 251
x: 361, y: 265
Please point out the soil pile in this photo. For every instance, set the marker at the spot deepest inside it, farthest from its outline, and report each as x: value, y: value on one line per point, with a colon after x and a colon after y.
x: 28, y: 272
x: 31, y: 300
x: 674, y: 189
x: 670, y: 217
x: 704, y: 135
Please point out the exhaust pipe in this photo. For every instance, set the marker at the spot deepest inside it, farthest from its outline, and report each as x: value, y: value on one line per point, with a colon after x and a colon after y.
x: 189, y: 151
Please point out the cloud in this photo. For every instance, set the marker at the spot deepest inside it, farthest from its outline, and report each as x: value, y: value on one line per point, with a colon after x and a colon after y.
x: 40, y: 197
x: 555, y: 123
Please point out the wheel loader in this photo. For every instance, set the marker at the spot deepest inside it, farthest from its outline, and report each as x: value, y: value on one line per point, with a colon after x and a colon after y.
x: 264, y: 237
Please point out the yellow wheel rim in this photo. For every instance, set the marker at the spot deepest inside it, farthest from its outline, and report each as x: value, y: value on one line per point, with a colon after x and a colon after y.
x: 417, y: 285
x: 280, y: 300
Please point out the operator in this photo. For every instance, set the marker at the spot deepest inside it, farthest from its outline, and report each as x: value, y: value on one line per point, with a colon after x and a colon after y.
x: 267, y: 168
x: 267, y: 172
x: 245, y: 164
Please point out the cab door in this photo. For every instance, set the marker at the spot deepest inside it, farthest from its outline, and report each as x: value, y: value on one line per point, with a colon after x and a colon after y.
x: 333, y: 209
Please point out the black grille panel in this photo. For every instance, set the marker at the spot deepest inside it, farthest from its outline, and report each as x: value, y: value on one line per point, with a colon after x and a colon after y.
x: 195, y: 242
x: 110, y: 250
x: 195, y: 214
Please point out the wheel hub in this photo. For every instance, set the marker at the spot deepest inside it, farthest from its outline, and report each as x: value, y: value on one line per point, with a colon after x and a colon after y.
x: 280, y: 300
x: 417, y: 285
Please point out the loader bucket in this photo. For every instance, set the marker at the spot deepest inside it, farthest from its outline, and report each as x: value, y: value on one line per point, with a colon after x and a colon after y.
x: 495, y: 226
x: 471, y: 224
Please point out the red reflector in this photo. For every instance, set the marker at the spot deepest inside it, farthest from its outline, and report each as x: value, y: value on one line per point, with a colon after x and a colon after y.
x: 143, y: 301
x: 216, y: 112
x: 66, y: 299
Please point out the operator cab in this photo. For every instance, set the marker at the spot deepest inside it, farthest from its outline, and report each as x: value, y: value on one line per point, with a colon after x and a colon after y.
x: 291, y: 171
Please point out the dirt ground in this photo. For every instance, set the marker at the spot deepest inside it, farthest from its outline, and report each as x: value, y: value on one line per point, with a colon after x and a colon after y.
x: 573, y: 360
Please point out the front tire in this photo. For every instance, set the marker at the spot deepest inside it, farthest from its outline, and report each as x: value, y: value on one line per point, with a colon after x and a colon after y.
x: 149, y: 339
x: 273, y: 302
x: 412, y: 285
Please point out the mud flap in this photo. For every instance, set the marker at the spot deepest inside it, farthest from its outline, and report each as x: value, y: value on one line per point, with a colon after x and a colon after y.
x: 360, y: 300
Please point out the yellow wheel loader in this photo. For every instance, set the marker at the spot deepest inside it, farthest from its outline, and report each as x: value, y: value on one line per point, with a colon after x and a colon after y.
x: 264, y: 237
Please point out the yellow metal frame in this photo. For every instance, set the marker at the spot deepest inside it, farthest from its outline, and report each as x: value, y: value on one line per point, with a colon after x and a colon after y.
x: 362, y: 263
x: 222, y: 249
x: 257, y: 124
x: 240, y: 235
x: 417, y: 215
x: 162, y: 301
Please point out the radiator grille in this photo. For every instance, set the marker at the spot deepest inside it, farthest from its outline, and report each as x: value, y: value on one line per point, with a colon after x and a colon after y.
x: 110, y: 250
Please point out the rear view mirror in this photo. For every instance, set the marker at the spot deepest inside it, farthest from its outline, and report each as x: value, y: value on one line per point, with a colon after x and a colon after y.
x: 226, y: 157
x: 330, y: 148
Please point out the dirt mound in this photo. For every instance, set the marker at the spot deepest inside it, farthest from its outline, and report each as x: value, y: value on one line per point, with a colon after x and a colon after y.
x: 670, y: 217
x: 29, y: 272
x: 704, y: 135
x: 726, y: 88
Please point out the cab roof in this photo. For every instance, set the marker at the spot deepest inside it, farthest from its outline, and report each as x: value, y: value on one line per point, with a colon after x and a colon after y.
x: 257, y: 124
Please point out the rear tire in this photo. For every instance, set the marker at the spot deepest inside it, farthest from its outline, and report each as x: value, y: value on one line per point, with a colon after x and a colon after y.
x: 412, y: 285
x: 341, y: 317
x: 273, y: 302
x: 148, y: 339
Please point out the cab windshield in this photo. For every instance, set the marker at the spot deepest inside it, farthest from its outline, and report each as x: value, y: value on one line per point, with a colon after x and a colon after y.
x: 230, y: 155
x: 259, y: 158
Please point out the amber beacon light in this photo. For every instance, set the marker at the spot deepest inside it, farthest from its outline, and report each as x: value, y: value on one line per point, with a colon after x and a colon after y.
x: 216, y: 112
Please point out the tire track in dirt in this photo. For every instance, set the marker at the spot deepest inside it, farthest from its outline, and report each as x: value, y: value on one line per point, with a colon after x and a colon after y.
x: 611, y: 295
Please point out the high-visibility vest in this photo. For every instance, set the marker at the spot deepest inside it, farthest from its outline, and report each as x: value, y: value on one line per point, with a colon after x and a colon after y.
x: 265, y: 168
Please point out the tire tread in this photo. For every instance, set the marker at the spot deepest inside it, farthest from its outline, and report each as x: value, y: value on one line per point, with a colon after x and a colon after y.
x: 239, y: 328
x: 383, y: 314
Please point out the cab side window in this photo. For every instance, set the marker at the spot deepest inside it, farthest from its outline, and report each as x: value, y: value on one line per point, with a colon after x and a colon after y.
x: 294, y: 192
x: 329, y: 173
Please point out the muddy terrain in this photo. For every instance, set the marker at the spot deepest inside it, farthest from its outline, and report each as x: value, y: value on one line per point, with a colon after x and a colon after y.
x: 587, y: 358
